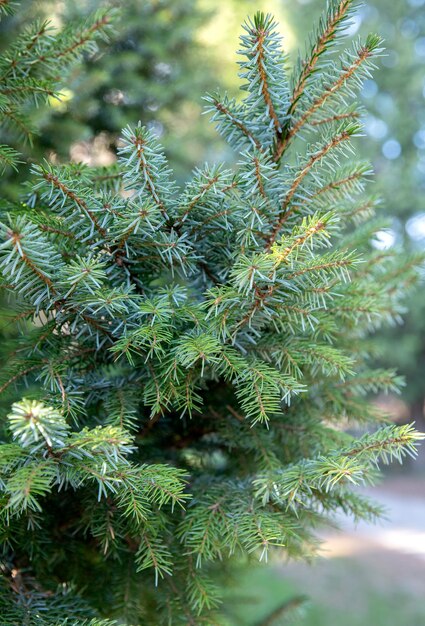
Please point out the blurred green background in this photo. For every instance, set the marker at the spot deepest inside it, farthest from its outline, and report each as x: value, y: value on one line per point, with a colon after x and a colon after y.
x: 164, y: 56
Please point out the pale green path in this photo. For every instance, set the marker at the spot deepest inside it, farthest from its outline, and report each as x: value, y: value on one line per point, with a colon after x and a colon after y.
x: 372, y: 575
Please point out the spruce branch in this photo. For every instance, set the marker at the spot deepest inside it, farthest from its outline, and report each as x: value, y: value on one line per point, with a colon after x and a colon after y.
x: 338, y: 11
x: 8, y: 158
x: 349, y: 70
x: 289, y: 608
x: 297, y: 485
x: 230, y: 119
x: 258, y: 43
x: 339, y: 139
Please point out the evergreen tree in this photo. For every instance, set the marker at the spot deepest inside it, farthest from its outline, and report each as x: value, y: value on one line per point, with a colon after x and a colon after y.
x: 193, y: 356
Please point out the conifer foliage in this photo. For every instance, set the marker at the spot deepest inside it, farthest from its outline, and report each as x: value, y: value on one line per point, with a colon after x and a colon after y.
x: 192, y: 356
